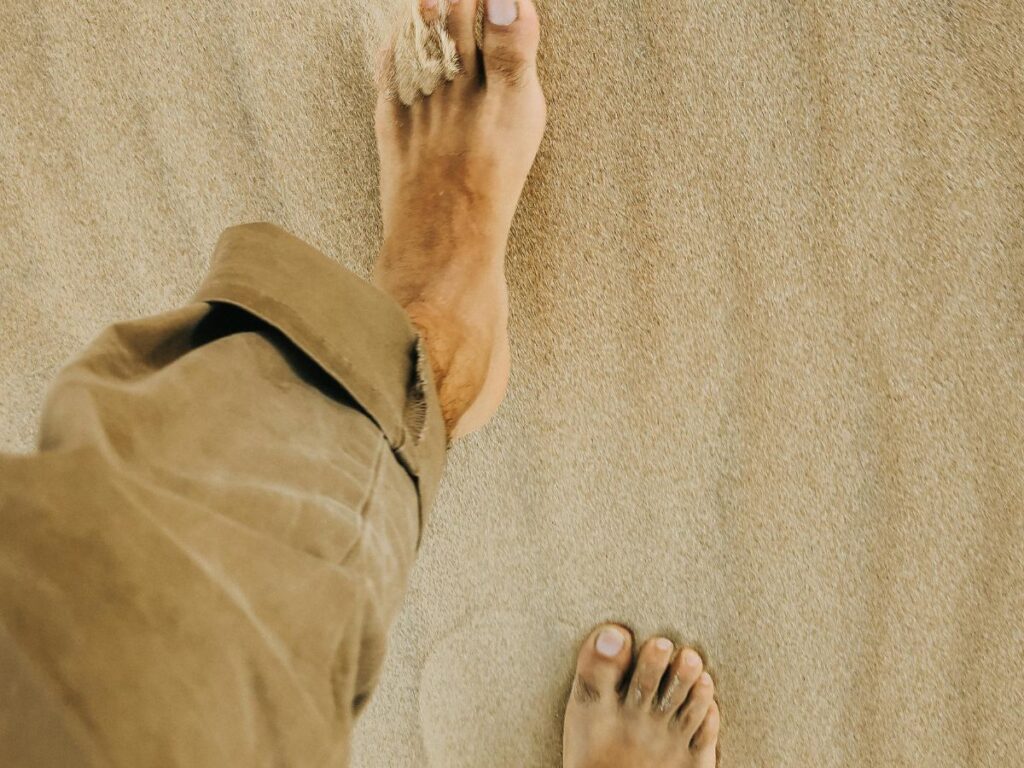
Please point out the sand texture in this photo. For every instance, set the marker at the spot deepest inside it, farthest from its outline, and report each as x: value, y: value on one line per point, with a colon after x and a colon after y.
x: 767, y: 396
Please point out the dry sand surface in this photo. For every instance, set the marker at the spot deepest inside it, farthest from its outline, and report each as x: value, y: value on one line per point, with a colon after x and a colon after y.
x: 768, y: 337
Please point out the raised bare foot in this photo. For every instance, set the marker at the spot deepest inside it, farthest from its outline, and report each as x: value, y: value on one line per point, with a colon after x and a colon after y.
x: 452, y: 168
x: 662, y: 715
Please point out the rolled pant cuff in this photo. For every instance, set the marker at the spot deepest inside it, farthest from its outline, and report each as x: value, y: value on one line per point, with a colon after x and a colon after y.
x: 354, y: 331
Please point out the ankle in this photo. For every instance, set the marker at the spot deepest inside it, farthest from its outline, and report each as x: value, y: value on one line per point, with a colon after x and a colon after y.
x: 458, y: 301
x: 460, y: 355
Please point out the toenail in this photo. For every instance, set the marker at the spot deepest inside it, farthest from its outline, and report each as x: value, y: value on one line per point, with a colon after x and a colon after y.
x: 609, y: 642
x: 705, y: 678
x: 691, y: 659
x: 502, y: 12
x: 428, y: 4
x: 663, y: 644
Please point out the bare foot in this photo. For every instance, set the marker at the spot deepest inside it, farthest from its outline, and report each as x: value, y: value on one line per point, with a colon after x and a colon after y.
x: 452, y: 168
x: 662, y: 715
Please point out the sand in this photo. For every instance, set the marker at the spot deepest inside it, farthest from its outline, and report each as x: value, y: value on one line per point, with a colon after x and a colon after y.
x: 767, y: 284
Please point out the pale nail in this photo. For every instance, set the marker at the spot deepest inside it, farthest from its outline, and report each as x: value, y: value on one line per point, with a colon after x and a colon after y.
x: 609, y: 642
x: 502, y: 12
x: 663, y: 644
x: 691, y: 659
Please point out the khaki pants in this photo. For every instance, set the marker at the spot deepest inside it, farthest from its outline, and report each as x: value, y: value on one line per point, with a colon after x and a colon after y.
x: 200, y: 564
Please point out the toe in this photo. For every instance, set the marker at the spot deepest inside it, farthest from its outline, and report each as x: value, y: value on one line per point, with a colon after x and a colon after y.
x: 696, y: 706
x: 462, y: 28
x: 602, y: 663
x: 706, y: 738
x: 684, y: 671
x: 651, y: 663
x: 429, y: 11
x: 511, y: 35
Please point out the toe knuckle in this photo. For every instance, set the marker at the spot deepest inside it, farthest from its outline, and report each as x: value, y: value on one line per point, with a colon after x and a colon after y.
x: 507, y: 63
x: 584, y: 691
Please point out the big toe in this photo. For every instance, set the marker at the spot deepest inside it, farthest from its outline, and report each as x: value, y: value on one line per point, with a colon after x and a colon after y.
x: 603, y: 663
x: 511, y: 36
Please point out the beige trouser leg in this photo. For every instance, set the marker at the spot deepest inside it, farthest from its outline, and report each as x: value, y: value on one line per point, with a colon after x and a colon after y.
x: 199, y: 565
